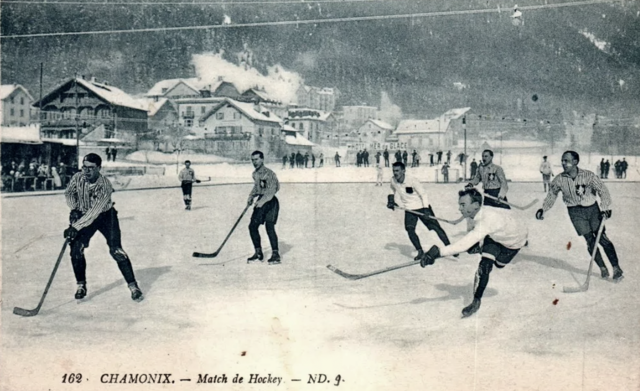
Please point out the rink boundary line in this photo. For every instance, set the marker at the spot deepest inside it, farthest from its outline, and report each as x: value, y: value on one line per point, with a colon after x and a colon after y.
x: 58, y: 192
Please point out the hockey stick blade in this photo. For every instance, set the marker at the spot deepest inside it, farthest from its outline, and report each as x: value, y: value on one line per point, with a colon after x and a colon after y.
x: 581, y: 288
x: 365, y: 275
x: 22, y: 312
x: 205, y: 255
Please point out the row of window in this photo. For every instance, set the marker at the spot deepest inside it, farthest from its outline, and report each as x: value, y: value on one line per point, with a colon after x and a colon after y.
x: 13, y: 112
x: 12, y: 100
x: 71, y: 113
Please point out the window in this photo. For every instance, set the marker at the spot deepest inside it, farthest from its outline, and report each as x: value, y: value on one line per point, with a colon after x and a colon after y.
x: 202, y: 109
x: 260, y: 131
x: 11, y: 100
x: 301, y: 126
x: 21, y: 113
x: 188, y: 122
x: 13, y: 112
x: 236, y: 115
x: 293, y: 125
x: 220, y: 115
x: 21, y: 101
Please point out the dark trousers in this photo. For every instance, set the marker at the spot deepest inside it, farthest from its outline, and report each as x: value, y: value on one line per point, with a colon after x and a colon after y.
x: 187, y: 187
x: 411, y: 221
x: 586, y: 220
x: 108, y: 225
x: 493, y: 254
x: 267, y: 215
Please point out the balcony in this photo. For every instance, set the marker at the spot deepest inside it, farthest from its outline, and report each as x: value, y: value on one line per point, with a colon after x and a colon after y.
x: 227, y: 137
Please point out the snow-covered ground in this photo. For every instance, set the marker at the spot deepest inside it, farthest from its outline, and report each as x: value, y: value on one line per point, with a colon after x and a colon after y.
x: 396, y: 331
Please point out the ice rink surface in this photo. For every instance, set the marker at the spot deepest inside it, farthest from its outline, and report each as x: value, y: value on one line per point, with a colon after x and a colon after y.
x: 396, y: 331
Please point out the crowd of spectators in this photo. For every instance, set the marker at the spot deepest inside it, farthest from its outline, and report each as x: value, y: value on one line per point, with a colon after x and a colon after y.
x: 34, y: 175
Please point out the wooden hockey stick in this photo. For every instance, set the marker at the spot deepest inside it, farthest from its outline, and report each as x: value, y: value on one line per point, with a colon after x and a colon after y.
x: 529, y: 205
x: 454, y: 222
x: 365, y: 275
x: 34, y: 312
x: 585, y: 286
x: 215, y: 254
x: 205, y: 180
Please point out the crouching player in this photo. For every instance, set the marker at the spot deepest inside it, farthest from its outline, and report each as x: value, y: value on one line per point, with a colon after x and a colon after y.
x: 497, y: 236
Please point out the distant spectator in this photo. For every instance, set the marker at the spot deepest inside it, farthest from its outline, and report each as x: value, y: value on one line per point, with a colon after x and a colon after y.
x: 449, y: 157
x: 385, y: 154
x: 313, y: 160
x: 57, y: 182
x: 431, y: 159
x: 321, y: 157
x: 623, y: 167
x: 292, y: 160
x: 405, y: 157
x: 445, y: 172
x: 607, y: 166
x: 617, y: 169
x: 413, y: 158
x: 359, y: 159
x: 365, y: 158
x: 398, y: 156
x: 474, y: 168
x: 306, y: 159
x: 378, y: 155
x: 108, y: 153
x: 114, y: 153
x: 337, y: 159
x: 439, y: 153
x: 602, y: 166
x: 285, y: 158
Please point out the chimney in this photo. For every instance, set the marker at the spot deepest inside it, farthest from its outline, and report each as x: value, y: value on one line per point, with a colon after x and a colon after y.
x: 93, y: 79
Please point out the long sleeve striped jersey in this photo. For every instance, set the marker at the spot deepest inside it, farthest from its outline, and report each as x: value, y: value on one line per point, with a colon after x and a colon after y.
x: 580, y: 191
x: 492, y: 177
x: 89, y: 198
x: 266, y: 183
x: 187, y: 174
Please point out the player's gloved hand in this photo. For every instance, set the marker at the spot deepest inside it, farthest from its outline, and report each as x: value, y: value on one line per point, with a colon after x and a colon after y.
x: 469, y: 186
x: 70, y: 233
x: 74, y: 216
x: 540, y: 214
x: 606, y: 213
x: 391, y: 203
x: 429, y: 258
x: 198, y: 181
x: 250, y: 200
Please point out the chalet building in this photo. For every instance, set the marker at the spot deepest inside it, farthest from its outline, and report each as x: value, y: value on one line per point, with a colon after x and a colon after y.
x: 373, y: 134
x: 113, y: 116
x: 235, y: 129
x: 317, y: 98
x: 174, y: 89
x: 16, y: 105
x: 314, y: 125
x: 355, y: 116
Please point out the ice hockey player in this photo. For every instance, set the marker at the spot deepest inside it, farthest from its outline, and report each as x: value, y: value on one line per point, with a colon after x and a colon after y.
x: 497, y: 236
x: 89, y: 197
x: 493, y: 180
x: 187, y: 176
x: 413, y: 198
x: 579, y: 189
x: 266, y: 209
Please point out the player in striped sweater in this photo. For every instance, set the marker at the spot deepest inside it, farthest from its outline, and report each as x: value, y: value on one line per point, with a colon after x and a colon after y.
x: 266, y: 209
x: 187, y: 176
x: 579, y: 190
x: 89, y: 197
x: 494, y: 182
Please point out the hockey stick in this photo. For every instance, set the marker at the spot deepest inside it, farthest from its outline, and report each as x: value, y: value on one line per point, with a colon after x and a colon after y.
x: 206, y: 180
x: 34, y: 312
x: 215, y: 254
x: 529, y: 205
x: 454, y: 222
x: 585, y: 286
x: 359, y: 276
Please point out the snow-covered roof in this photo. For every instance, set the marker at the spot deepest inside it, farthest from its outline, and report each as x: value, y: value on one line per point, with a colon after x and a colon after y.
x: 20, y: 134
x: 69, y: 142
x: 261, y: 94
x: 247, y: 109
x: 153, y: 107
x: 169, y: 84
x: 456, y: 113
x: 8, y: 89
x: 380, y: 124
x: 422, y: 126
x: 322, y: 115
x: 112, y: 94
x: 298, y: 139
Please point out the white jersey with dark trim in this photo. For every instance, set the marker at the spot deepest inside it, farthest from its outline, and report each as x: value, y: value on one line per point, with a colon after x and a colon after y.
x: 410, y: 192
x: 497, y: 223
